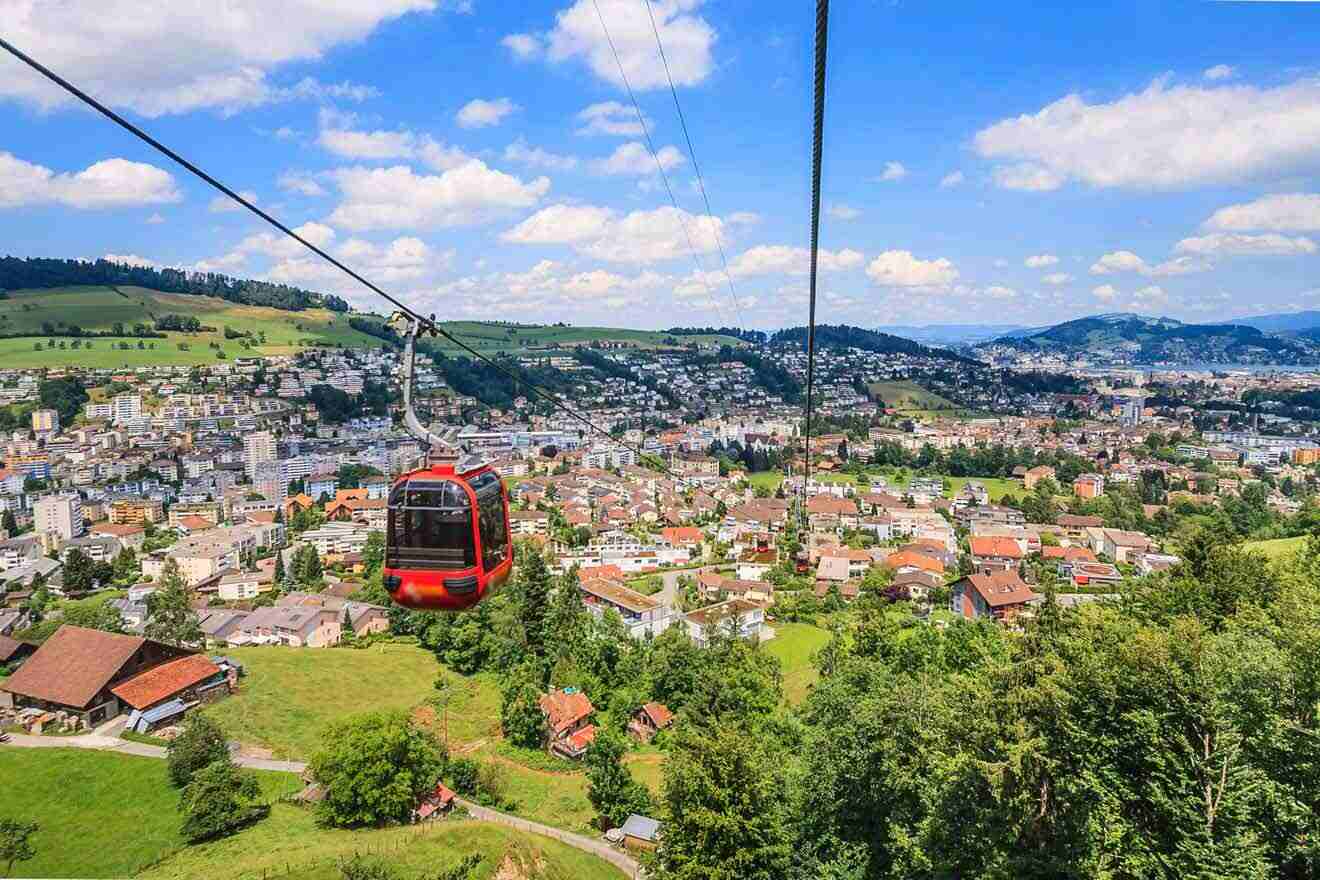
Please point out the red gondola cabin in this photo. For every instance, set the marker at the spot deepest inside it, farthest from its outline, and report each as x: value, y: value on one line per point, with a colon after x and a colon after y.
x: 447, y: 546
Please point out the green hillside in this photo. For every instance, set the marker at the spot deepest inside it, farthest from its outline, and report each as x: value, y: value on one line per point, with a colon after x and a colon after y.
x: 274, y: 331
x: 99, y: 308
x: 906, y: 395
x: 513, y: 338
x: 127, y: 820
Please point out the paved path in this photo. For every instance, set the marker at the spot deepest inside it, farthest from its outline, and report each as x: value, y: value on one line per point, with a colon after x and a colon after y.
x: 669, y: 592
x: 113, y: 744
x: 620, y: 860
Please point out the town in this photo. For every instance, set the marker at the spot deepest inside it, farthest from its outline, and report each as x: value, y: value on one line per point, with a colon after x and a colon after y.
x: 169, y: 527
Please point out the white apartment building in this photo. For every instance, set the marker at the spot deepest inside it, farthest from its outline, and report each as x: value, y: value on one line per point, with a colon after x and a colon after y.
x: 59, y: 514
x: 258, y: 447
x: 126, y: 408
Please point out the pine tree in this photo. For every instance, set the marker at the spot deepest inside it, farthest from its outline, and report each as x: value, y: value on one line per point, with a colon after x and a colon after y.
x: 534, y: 601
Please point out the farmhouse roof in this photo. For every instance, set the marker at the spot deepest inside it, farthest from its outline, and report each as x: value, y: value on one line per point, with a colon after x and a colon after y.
x: 73, y: 665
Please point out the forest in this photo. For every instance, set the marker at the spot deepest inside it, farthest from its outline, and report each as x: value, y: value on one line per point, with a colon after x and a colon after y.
x: 1169, y: 733
x: 37, y: 272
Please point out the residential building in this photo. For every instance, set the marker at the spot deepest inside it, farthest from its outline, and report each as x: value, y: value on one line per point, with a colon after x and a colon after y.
x: 1001, y: 595
x: 258, y: 447
x: 45, y: 421
x: 568, y: 717
x: 136, y: 511
x: 736, y: 616
x: 60, y: 515
x: 641, y: 615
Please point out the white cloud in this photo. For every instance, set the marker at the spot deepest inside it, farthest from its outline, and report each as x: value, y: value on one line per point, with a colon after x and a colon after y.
x: 1057, y: 278
x: 131, y: 260
x: 687, y: 39
x: 1219, y: 71
x: 998, y: 291
x: 1126, y: 261
x: 633, y: 158
x: 300, y: 183
x: 1150, y: 294
x: 550, y: 288
x: 155, y: 219
x: 902, y: 269
x: 1027, y: 177
x: 225, y: 205
x: 338, y: 136
x: 397, y: 197
x: 1238, y: 244
x: 1162, y: 137
x: 611, y: 118
x: 1040, y: 261
x: 952, y: 179
x: 1285, y: 212
x: 561, y: 224
x: 198, y: 58
x: 280, y: 246
x: 110, y: 183
x: 405, y: 259
x: 480, y: 113
x: 743, y: 218
x: 894, y: 171
x: 840, y: 211
x: 523, y: 46
x: 1105, y: 292
x: 536, y: 157
x: 784, y: 259
x: 637, y: 237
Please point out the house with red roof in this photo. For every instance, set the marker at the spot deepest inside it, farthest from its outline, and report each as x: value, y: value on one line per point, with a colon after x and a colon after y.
x: 79, y: 671
x: 567, y: 717
x: 995, y: 553
x: 649, y: 720
x: 1000, y: 595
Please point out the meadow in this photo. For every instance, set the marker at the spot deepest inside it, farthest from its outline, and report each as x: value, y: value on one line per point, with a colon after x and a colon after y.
x: 1276, y: 549
x: 113, y: 815
x: 793, y: 646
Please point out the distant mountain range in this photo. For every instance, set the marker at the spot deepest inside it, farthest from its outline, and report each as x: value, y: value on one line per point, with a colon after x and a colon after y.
x: 1285, y: 322
x: 954, y: 334
x: 1131, y: 338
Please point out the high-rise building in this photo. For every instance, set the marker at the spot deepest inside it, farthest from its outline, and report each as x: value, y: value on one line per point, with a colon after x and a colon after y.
x: 1133, y: 409
x: 45, y: 421
x: 127, y: 408
x: 59, y: 514
x: 258, y: 448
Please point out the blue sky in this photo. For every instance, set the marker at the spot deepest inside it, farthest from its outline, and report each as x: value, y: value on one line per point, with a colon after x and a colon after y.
x: 991, y: 163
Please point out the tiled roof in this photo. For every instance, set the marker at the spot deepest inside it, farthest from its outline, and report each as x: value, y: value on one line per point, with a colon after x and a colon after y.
x: 993, y: 545
x: 164, y: 681
x: 73, y: 665
x: 564, y: 709
x: 1002, y: 588
x: 658, y: 713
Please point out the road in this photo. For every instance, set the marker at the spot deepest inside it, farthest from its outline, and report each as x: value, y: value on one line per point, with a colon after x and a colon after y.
x: 669, y: 592
x: 102, y: 742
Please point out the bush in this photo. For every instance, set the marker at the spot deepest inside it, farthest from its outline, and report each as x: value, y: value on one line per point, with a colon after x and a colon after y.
x: 463, y: 774
x: 220, y: 800
x: 200, y: 744
x: 375, y: 767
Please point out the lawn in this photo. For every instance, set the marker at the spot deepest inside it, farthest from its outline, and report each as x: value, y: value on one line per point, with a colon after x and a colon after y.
x: 1276, y: 549
x: 290, y: 694
x: 488, y: 337
x: 101, y: 815
x: 290, y: 844
x: 998, y: 487
x: 907, y: 395
x: 766, y: 479
x: 99, y: 308
x: 793, y: 645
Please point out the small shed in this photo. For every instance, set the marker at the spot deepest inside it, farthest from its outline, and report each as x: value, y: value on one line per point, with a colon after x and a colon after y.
x: 641, y: 833
x: 436, y: 804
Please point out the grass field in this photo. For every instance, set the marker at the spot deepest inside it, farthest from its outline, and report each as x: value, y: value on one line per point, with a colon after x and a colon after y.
x: 998, y: 487
x: 101, y: 815
x: 793, y: 645
x: 99, y: 308
x: 290, y: 694
x: 769, y: 479
x: 907, y: 395
x: 507, y: 338
x: 1277, y: 548
x: 111, y: 815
